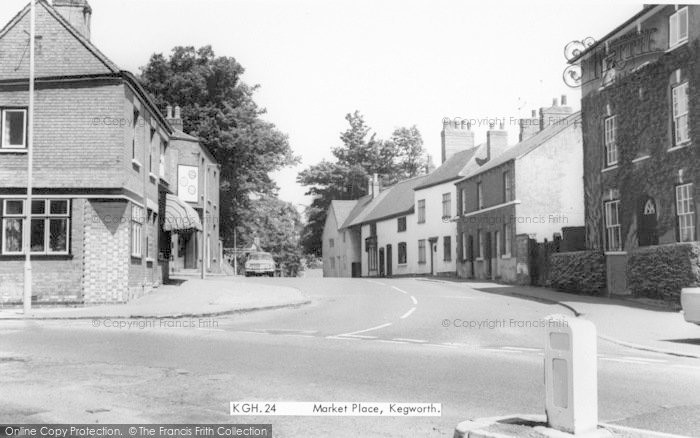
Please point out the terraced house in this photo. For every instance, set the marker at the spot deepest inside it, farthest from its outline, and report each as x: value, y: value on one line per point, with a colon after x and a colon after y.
x: 101, y: 167
x: 640, y: 134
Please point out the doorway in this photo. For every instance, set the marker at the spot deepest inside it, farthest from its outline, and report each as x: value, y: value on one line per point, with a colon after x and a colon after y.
x: 381, y: 262
x: 433, y: 250
x: 487, y: 256
x: 496, y: 249
x: 647, y: 222
x: 389, y: 268
x: 470, y: 252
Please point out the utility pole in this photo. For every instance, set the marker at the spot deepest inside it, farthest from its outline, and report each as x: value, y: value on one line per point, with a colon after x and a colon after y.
x: 27, y: 299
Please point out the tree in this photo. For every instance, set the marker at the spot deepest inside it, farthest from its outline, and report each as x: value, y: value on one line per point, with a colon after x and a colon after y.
x: 219, y: 108
x: 360, y: 155
x: 278, y: 225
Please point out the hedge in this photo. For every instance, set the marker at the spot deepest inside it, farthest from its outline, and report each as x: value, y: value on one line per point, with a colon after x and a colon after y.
x: 661, y: 271
x: 579, y: 272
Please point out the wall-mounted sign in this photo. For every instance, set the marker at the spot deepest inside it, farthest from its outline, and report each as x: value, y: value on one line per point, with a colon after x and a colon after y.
x: 188, y: 183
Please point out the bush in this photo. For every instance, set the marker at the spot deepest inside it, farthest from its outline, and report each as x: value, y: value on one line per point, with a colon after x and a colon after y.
x: 661, y: 271
x: 579, y: 272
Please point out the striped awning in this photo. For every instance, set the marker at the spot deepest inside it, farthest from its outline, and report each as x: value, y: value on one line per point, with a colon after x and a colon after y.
x: 179, y: 216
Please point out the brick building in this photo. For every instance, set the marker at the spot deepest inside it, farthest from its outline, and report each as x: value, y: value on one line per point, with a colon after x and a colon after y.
x: 640, y: 133
x: 100, y: 173
x: 529, y: 191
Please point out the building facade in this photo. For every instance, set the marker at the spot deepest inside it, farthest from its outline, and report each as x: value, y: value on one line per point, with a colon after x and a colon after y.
x: 99, y: 167
x: 640, y: 134
x: 530, y: 191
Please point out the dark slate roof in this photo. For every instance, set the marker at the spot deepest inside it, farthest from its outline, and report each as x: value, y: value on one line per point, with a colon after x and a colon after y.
x: 525, y: 147
x: 451, y: 169
x: 342, y: 210
x: 360, y: 205
x: 394, y: 201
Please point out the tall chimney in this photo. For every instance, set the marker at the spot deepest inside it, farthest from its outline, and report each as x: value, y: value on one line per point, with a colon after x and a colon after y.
x: 554, y: 114
x: 456, y: 136
x: 175, y: 119
x: 529, y: 127
x: 496, y: 141
x: 77, y: 12
x: 375, y: 186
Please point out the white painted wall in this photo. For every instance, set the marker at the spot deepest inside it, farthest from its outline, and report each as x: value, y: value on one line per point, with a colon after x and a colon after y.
x: 434, y: 226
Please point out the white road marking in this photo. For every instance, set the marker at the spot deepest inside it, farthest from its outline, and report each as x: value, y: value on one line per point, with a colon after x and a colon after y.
x: 377, y: 282
x: 254, y: 333
x: 387, y: 341
x: 522, y: 348
x: 407, y: 314
x: 347, y: 339
x: 415, y: 301
x: 400, y: 290
x: 299, y: 335
x: 644, y: 359
x: 500, y: 350
x: 420, y: 341
x: 441, y: 345
x: 366, y: 330
x: 361, y: 336
x: 613, y: 359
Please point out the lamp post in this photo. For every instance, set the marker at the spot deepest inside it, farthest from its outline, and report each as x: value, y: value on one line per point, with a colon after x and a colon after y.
x: 203, y: 245
x: 26, y: 231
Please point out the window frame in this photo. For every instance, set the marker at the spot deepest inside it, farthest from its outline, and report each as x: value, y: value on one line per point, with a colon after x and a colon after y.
x: 610, y: 140
x: 507, y: 187
x: 447, y: 248
x: 675, y: 40
x: 331, y: 243
x: 446, y: 205
x: 479, y: 196
x: 464, y: 201
x: 507, y: 239
x: 677, y: 116
x: 137, y: 231
x: 3, y: 111
x: 401, y: 224
x: 613, y: 231
x: 681, y: 215
x: 422, y: 255
x: 402, y: 251
x: 420, y: 208
x: 27, y: 218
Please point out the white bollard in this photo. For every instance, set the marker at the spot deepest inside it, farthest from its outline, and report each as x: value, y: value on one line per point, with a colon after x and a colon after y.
x: 571, y: 375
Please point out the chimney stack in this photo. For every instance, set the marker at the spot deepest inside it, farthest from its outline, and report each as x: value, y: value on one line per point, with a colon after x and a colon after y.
x: 529, y: 126
x: 77, y: 12
x: 175, y: 119
x: 496, y: 141
x: 456, y: 136
x: 554, y: 114
x: 373, y: 188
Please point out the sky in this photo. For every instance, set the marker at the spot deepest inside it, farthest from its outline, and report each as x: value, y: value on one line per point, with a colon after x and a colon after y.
x: 400, y: 63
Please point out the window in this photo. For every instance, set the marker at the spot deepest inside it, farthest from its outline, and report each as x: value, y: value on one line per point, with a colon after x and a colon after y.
x: 401, y: 224
x: 609, y: 134
x: 137, y: 220
x: 680, y: 114
x: 134, y: 122
x: 678, y: 27
x: 372, y: 258
x: 421, y: 211
x: 161, y: 160
x: 421, y: 251
x: 402, y: 253
x: 49, y: 225
x: 446, y: 205
x: 479, y: 197
x: 332, y: 259
x: 479, y: 244
x: 331, y: 243
x: 507, y: 187
x: 685, y: 209
x: 447, y: 248
x: 13, y: 129
x: 613, y: 240
x: 507, y: 238
x: 464, y: 201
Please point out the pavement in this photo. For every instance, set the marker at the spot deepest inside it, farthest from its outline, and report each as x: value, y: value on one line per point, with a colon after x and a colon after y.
x: 477, y: 353
x: 635, y: 324
x: 184, y: 297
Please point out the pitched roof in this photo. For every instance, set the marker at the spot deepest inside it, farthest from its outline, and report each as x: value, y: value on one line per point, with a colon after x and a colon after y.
x: 528, y: 145
x: 342, y: 210
x: 451, y: 169
x: 356, y: 211
x: 395, y: 200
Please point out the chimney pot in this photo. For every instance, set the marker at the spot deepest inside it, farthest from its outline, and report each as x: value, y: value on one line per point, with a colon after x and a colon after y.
x: 169, y: 111
x: 554, y: 102
x: 563, y: 100
x: 177, y: 112
x: 534, y: 113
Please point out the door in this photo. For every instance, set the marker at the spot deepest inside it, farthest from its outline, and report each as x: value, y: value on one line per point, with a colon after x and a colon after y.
x: 647, y: 222
x: 433, y: 250
x: 496, y: 250
x: 389, y: 268
x: 470, y: 255
x: 487, y: 256
x: 381, y: 262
